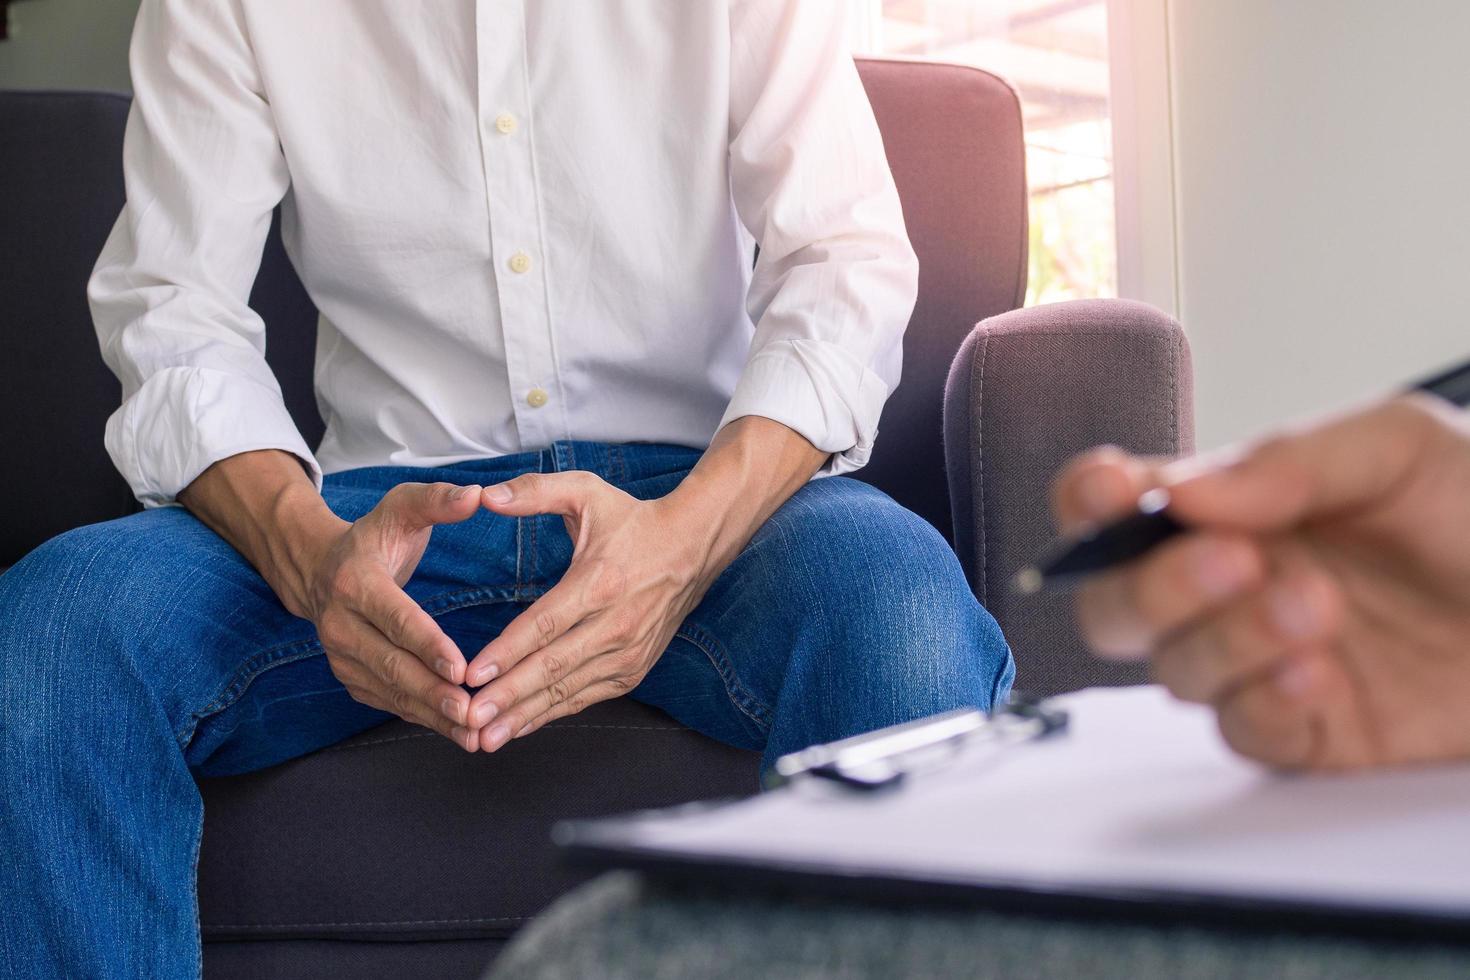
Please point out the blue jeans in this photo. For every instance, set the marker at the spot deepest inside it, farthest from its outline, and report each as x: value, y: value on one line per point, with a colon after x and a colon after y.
x: 139, y: 653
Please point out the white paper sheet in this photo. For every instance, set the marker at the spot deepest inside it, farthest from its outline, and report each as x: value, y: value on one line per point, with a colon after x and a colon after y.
x: 1140, y: 794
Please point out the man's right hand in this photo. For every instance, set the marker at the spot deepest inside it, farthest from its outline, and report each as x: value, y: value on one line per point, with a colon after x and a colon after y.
x: 382, y: 646
x: 348, y: 578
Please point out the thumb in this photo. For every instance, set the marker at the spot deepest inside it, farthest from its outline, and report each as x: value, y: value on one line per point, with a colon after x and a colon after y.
x: 542, y: 493
x: 1341, y: 464
x: 427, y: 504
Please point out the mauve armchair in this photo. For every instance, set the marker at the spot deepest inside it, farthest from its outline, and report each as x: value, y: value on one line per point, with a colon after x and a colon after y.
x: 394, y: 854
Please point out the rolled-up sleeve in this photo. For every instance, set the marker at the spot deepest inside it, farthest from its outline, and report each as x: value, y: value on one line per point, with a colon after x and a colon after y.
x: 836, y: 279
x: 204, y: 169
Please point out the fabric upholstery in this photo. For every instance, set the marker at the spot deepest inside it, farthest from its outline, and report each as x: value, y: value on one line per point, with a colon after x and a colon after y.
x: 331, y: 959
x: 1029, y: 390
x: 397, y: 835
x: 953, y: 138
x: 626, y: 926
x: 60, y: 189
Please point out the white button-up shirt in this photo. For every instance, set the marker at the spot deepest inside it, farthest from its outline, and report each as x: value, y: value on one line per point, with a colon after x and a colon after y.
x: 521, y: 220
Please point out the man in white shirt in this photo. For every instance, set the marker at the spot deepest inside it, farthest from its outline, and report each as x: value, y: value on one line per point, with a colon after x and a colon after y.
x: 529, y: 228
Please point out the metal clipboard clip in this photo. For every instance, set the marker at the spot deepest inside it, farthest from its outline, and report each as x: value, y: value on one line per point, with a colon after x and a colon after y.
x: 881, y: 759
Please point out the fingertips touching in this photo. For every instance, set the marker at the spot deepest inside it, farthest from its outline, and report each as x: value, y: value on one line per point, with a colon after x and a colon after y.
x: 466, y: 738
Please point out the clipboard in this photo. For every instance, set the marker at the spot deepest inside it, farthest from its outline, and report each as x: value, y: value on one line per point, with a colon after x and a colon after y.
x: 1117, y: 802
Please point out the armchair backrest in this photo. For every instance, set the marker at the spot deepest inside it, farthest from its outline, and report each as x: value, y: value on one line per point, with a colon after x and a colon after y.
x: 955, y: 145
x: 61, y: 189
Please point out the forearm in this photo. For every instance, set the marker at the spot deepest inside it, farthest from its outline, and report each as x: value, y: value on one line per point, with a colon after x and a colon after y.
x: 264, y: 504
x: 752, y: 467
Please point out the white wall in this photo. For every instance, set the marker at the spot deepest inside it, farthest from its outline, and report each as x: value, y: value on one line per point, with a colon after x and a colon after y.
x: 1323, y: 199
x: 68, y: 44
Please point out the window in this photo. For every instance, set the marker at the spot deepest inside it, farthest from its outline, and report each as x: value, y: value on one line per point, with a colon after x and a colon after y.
x: 1055, y: 52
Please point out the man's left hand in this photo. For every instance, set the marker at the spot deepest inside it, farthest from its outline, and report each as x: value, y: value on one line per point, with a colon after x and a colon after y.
x: 638, y: 568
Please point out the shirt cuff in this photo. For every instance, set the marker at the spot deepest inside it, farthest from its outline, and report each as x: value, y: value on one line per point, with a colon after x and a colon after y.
x: 185, y: 419
x: 819, y: 390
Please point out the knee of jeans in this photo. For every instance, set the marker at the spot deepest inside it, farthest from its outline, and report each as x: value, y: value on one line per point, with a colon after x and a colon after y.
x: 902, y: 616
x: 71, y: 595
x: 67, y: 635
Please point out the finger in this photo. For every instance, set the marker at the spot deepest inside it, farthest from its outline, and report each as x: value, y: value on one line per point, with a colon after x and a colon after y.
x: 543, y: 493
x: 544, y: 669
x: 420, y: 505
x: 1099, y: 485
x: 1247, y: 639
x: 1329, y: 467
x: 1282, y: 718
x: 592, y: 694
x: 407, y: 626
x: 365, y: 687
x: 1125, y: 613
x: 578, y: 691
x: 562, y: 607
x: 406, y: 684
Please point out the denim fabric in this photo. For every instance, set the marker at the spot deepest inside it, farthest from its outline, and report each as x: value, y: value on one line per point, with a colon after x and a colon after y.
x: 137, y: 653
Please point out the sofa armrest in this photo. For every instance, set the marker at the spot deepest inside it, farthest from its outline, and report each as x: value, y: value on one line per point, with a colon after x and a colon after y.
x: 1027, y: 391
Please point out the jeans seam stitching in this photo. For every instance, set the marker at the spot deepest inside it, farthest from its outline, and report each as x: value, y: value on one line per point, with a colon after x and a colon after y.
x: 272, y: 657
x: 520, y: 554
x: 756, y: 710
x: 464, y: 598
x: 534, y: 562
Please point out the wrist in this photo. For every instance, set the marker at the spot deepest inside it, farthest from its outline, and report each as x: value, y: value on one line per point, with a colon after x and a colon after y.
x: 703, y: 516
x: 752, y: 467
x: 302, y: 533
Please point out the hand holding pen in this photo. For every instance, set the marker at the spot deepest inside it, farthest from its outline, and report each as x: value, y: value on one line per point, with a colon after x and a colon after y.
x: 1313, y: 587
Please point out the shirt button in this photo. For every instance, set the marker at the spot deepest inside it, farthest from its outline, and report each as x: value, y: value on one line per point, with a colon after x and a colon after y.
x: 520, y: 263
x: 537, y: 397
x: 506, y: 123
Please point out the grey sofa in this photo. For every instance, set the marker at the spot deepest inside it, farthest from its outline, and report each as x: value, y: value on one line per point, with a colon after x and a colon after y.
x: 394, y: 854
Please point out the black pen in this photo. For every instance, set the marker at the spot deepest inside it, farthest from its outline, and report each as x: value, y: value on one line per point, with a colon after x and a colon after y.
x: 1150, y: 525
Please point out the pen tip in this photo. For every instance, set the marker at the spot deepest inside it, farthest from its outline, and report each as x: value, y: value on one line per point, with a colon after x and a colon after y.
x: 1027, y: 581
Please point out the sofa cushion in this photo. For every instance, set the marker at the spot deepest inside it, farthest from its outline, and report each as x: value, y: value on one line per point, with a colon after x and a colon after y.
x: 396, y: 834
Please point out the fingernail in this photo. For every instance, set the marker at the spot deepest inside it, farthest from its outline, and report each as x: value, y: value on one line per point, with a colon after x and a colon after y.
x: 1292, y: 613
x: 452, y: 710
x: 485, y: 715
x: 1298, y: 678
x: 461, y: 735
x: 1221, y: 572
x: 496, y: 737
x: 523, y: 731
x: 486, y: 674
x: 446, y: 670
x: 1097, y: 494
x: 460, y: 493
x: 499, y: 494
